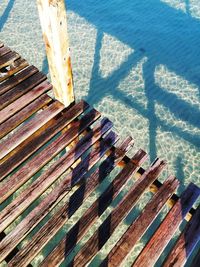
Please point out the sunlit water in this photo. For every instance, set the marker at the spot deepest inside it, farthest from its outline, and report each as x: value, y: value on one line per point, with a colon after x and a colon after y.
x: 138, y: 62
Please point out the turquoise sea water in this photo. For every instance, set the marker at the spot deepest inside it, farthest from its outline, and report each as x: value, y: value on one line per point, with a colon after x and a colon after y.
x: 136, y: 61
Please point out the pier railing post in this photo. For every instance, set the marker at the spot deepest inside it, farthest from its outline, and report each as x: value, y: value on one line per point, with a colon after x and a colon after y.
x: 53, y: 20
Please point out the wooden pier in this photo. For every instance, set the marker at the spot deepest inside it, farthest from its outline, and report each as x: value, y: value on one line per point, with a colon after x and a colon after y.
x: 34, y: 129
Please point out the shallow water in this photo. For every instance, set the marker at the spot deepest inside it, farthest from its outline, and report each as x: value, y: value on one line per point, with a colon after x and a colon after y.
x: 138, y: 62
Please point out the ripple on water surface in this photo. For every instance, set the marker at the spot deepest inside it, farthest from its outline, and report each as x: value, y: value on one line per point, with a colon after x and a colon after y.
x: 138, y: 62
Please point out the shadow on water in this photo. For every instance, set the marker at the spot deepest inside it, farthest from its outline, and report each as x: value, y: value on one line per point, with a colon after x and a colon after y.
x: 177, y: 49
x: 180, y: 172
x: 77, y: 199
x: 171, y: 40
x: 6, y: 13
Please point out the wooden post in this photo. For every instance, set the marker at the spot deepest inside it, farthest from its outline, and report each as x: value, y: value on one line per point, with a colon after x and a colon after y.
x: 54, y: 27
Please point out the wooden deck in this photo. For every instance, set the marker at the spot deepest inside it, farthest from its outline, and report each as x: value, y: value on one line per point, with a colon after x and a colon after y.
x: 37, y: 201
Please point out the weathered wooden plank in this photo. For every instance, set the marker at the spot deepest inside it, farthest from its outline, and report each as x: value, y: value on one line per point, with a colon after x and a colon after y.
x: 4, y: 50
x: 1, y: 44
x: 45, y: 206
x: 156, y: 185
x: 167, y: 228
x: 16, y: 79
x: 8, y: 59
x: 56, y: 169
x: 20, y: 89
x: 29, y: 128
x: 40, y: 239
x: 54, y: 26
x: 24, y: 100
x: 46, y: 180
x: 12, y: 253
x: 100, y: 237
x: 39, y: 138
x: 18, y: 65
x: 185, y: 244
x: 34, y: 165
x: 99, y: 206
x: 141, y: 224
x: 23, y: 114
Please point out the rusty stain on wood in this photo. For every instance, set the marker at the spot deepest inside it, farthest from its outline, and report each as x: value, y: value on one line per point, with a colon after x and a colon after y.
x: 54, y: 26
x: 63, y: 214
x: 141, y: 224
x: 167, y: 228
x: 40, y: 134
x: 185, y: 243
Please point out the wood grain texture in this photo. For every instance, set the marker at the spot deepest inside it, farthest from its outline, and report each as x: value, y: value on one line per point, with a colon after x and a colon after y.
x: 99, y: 238
x: 23, y: 114
x: 186, y: 243
x: 141, y: 224
x: 37, y: 162
x: 42, y: 183
x: 47, y: 178
x: 22, y: 94
x: 20, y: 89
x: 4, y: 50
x: 29, y: 128
x: 16, y: 79
x: 62, y: 190
x: 98, y: 207
x: 8, y: 59
x: 18, y: 65
x: 167, y: 228
x: 39, y: 138
x: 54, y: 224
x: 12, y: 253
x: 24, y: 100
x: 154, y: 188
x: 54, y: 27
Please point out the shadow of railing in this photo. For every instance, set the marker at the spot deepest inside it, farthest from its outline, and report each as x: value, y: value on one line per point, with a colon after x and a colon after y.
x: 164, y: 43
x: 78, y: 197
x: 170, y: 42
x: 101, y: 87
x: 6, y: 13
